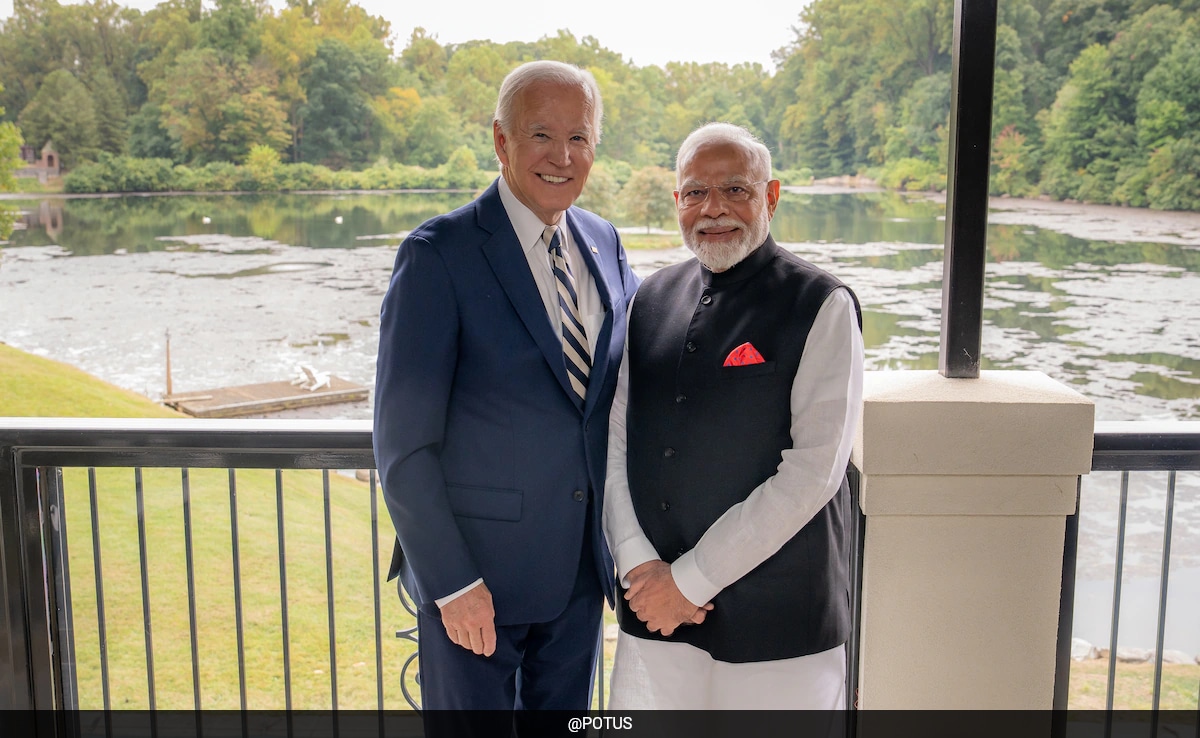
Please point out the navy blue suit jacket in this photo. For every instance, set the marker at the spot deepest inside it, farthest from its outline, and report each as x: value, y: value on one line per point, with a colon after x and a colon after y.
x: 488, y: 466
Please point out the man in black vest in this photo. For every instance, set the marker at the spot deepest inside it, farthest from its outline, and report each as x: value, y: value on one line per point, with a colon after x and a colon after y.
x: 726, y: 501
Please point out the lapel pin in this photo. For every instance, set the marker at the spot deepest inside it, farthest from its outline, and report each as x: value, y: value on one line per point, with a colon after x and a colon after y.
x: 595, y: 250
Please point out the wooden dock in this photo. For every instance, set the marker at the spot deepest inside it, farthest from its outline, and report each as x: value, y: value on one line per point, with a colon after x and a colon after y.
x: 268, y: 397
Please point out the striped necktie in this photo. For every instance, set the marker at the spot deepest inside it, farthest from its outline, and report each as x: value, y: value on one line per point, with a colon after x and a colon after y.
x: 574, y: 337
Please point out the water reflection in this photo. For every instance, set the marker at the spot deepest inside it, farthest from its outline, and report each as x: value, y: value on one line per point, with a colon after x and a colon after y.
x: 103, y: 225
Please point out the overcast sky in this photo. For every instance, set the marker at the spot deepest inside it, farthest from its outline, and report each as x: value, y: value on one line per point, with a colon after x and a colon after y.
x: 643, y: 31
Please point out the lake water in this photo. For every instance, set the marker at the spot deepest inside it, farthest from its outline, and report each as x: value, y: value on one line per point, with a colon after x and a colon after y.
x: 1106, y: 300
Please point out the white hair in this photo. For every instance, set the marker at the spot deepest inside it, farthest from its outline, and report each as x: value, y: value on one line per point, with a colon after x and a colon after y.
x: 725, y: 133
x: 546, y: 71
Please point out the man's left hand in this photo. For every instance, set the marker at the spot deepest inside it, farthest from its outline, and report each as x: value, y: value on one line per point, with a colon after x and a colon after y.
x: 656, y: 600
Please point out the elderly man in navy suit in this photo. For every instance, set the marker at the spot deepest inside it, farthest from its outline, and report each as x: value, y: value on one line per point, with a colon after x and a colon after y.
x: 500, y: 339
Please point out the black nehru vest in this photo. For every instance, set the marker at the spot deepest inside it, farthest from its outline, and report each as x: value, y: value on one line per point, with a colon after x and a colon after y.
x: 702, y: 436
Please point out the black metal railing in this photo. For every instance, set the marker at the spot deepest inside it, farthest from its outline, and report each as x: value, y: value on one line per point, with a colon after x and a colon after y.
x: 182, y: 517
x: 857, y: 524
x: 1156, y: 457
x: 197, y: 492
x: 60, y: 644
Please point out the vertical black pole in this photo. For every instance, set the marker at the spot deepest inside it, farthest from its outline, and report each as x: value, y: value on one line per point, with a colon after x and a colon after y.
x: 1066, y: 618
x: 967, y: 187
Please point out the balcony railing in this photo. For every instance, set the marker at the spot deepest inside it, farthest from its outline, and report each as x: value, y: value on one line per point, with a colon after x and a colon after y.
x: 196, y: 564
x: 236, y: 564
x: 1159, y: 463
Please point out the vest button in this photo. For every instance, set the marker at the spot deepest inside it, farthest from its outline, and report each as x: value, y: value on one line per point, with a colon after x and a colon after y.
x: 706, y: 300
x: 664, y: 506
x: 668, y: 452
x: 680, y: 398
x: 578, y: 495
x: 690, y: 347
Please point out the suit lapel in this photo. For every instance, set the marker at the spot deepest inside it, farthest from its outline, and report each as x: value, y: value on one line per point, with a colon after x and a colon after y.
x: 507, y: 259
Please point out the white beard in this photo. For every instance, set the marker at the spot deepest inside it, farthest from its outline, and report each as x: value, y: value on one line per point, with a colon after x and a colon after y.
x: 724, y: 256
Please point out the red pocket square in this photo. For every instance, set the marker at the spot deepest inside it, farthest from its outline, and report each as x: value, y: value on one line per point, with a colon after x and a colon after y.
x: 743, y: 355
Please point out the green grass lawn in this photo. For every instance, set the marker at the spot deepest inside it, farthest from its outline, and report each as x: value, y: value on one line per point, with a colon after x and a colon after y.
x: 31, y: 386
x: 634, y: 240
x: 1134, y: 688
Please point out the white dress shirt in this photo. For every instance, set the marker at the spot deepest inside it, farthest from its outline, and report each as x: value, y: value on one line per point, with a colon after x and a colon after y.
x: 825, y: 402
x: 529, y: 229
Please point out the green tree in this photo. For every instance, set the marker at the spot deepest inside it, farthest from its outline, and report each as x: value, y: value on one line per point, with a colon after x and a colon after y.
x: 394, y: 110
x: 1075, y: 126
x: 632, y: 113
x: 426, y: 58
x: 10, y: 150
x: 43, y: 36
x: 924, y: 111
x: 263, y: 163
x: 149, y: 137
x: 1011, y: 164
x: 434, y: 133
x: 232, y: 28
x: 1070, y: 26
x: 336, y: 120
x: 473, y: 76
x: 1168, y: 103
x: 1174, y: 175
x: 218, y: 111
x: 600, y: 194
x: 647, y: 197
x: 462, y: 169
x: 111, y: 131
x: 165, y: 33
x: 62, y: 111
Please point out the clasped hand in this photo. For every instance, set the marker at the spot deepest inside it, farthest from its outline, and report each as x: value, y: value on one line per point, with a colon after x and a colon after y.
x: 657, y: 601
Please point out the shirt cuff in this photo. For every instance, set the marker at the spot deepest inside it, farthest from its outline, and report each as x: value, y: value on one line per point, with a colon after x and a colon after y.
x: 631, y: 554
x: 691, y: 583
x: 443, y: 601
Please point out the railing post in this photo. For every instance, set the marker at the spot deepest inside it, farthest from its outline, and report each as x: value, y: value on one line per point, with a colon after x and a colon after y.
x: 14, y: 673
x: 30, y: 676
x: 1066, y: 617
x: 965, y: 488
x: 972, y: 74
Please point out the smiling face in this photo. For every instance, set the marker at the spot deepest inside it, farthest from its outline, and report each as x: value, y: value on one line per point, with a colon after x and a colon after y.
x: 719, y: 232
x: 546, y: 158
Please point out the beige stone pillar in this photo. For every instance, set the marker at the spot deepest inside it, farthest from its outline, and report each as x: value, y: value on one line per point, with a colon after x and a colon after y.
x: 966, y: 485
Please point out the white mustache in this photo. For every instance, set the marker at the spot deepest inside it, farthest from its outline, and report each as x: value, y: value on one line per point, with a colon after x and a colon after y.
x: 726, y: 222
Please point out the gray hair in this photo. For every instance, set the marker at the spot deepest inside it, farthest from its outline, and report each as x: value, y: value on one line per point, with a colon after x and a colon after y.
x: 546, y: 71
x: 726, y: 133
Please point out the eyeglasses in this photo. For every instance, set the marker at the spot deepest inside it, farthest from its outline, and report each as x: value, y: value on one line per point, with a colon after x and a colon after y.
x: 693, y: 195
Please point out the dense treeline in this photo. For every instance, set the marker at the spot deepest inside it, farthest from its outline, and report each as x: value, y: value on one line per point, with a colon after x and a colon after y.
x: 1096, y: 100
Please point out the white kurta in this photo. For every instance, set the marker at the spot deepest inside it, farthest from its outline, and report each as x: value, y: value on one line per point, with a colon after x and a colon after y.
x: 825, y: 399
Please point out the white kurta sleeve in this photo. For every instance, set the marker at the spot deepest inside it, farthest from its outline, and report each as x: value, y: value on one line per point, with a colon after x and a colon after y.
x: 628, y: 543
x: 826, y: 397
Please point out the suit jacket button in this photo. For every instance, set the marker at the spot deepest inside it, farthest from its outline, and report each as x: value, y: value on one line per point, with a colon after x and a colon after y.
x: 668, y: 452
x: 664, y: 506
x: 690, y: 347
x: 578, y: 495
x: 680, y: 398
x: 706, y: 300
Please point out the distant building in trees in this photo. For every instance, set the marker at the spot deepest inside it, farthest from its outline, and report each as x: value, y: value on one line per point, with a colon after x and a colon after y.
x: 44, y: 167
